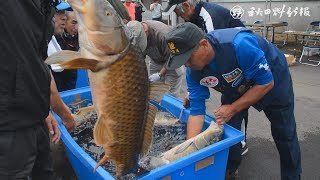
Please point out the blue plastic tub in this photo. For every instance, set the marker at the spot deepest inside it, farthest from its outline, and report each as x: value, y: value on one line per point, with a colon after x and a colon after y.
x: 82, y: 78
x: 207, y: 163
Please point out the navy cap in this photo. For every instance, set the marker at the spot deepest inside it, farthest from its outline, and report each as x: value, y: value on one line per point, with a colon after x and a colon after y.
x: 182, y: 40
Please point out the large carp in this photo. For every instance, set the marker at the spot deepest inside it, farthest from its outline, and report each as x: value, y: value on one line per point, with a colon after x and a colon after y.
x: 119, y: 84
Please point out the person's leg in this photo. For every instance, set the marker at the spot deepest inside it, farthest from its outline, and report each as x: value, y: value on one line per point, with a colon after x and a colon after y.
x: 17, y: 153
x: 283, y: 128
x: 43, y: 167
x: 174, y: 78
x: 234, y: 158
x: 244, y: 125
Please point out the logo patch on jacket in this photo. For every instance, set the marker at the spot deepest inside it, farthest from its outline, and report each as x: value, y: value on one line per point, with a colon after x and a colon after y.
x: 209, y: 81
x: 265, y: 66
x: 233, y: 75
x: 237, y: 81
x: 173, y: 48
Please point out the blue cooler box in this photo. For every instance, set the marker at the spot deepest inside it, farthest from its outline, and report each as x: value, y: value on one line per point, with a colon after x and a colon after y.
x: 207, y: 163
x: 82, y: 78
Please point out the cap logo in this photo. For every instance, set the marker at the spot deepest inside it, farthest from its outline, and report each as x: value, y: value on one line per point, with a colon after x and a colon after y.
x: 173, y: 48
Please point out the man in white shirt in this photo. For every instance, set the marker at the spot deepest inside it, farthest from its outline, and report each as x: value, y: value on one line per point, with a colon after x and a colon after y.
x: 155, y: 9
x: 59, y: 23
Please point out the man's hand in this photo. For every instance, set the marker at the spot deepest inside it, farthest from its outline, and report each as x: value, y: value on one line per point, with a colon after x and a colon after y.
x: 224, y: 113
x: 186, y: 101
x: 67, y: 118
x: 59, y: 107
x: 69, y: 122
x: 53, y: 128
x: 154, y: 77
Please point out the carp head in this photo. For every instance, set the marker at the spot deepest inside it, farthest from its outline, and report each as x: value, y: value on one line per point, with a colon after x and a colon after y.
x: 101, y: 29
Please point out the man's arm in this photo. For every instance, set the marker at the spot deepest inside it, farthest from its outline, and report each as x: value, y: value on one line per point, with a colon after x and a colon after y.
x: 59, y: 107
x: 198, y: 95
x: 252, y: 96
x: 225, y: 112
x: 194, y: 125
x: 152, y: 6
x: 163, y: 71
x: 165, y: 53
x: 53, y: 128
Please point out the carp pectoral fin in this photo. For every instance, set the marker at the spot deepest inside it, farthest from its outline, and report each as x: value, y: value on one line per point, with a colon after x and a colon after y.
x: 184, y: 146
x: 62, y: 56
x: 102, y: 133
x: 148, y: 129
x: 85, y: 110
x: 72, y: 60
x: 102, y: 161
x: 81, y: 63
x: 157, y: 90
x: 81, y: 115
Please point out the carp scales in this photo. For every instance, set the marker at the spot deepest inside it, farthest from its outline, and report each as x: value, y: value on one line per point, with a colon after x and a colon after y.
x: 119, y: 84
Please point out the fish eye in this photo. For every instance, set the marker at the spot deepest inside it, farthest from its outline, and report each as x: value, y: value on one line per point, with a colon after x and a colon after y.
x: 108, y: 13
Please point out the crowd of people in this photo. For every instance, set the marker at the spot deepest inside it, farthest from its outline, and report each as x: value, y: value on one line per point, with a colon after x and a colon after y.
x: 211, y: 50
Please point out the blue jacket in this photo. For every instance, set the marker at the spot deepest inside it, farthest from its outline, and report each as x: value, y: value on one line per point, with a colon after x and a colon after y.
x: 241, y: 60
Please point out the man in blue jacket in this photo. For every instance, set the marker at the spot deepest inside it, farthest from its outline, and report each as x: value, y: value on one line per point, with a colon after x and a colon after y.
x: 208, y: 17
x: 248, y: 71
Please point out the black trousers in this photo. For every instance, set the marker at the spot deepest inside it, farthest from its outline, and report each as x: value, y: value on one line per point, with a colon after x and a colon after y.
x: 234, y: 158
x: 284, y: 133
x: 26, y: 153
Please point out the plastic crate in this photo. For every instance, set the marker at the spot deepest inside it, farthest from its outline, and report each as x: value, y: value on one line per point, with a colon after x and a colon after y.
x: 207, y: 163
x: 82, y: 78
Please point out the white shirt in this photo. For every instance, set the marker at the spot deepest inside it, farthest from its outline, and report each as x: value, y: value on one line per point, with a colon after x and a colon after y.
x: 207, y: 19
x: 156, y: 11
x: 53, y: 47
